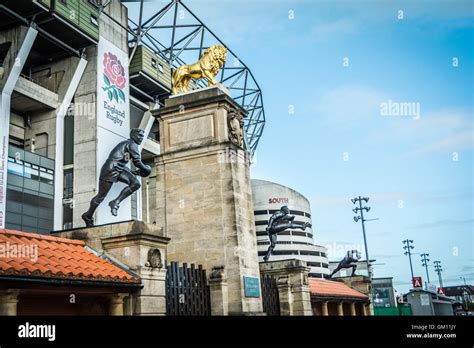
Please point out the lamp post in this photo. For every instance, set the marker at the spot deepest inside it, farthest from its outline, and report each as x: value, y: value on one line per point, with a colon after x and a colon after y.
x: 438, y: 269
x: 408, y: 246
x: 424, y: 263
x: 361, y: 217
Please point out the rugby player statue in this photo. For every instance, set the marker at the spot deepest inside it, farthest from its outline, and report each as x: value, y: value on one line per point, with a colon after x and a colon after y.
x: 115, y: 170
x: 280, y: 221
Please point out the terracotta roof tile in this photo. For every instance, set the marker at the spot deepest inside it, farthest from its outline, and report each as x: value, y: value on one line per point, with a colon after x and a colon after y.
x: 323, y: 287
x: 56, y: 258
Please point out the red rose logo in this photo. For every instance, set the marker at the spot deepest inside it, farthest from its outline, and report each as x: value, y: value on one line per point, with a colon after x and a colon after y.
x: 114, y: 77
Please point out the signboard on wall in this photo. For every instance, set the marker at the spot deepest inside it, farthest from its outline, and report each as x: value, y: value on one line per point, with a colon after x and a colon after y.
x: 425, y: 299
x: 113, y: 119
x: 417, y: 282
x: 251, y: 287
x: 381, y: 297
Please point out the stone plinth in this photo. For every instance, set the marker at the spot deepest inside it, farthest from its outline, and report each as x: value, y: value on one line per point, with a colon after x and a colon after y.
x: 141, y: 247
x: 358, y: 282
x: 203, y: 194
x: 292, y: 282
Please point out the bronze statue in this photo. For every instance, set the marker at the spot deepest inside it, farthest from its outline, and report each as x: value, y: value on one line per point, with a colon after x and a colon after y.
x: 279, y: 222
x: 115, y: 170
x: 347, y: 262
x: 206, y: 67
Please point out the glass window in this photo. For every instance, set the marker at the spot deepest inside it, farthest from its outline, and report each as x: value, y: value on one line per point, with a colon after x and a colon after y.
x: 46, y: 177
x: 27, y: 170
x: 94, y: 21
x: 34, y: 172
x: 160, y: 68
x: 30, y: 210
x: 15, y: 196
x: 153, y: 63
x: 68, y: 184
x: 15, y: 167
x: 45, y: 203
x: 260, y: 212
x: 45, y: 224
x: 67, y: 216
x: 13, y: 218
x: 29, y: 221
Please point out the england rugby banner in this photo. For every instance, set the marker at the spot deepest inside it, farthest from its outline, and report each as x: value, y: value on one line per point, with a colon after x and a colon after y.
x: 113, y: 119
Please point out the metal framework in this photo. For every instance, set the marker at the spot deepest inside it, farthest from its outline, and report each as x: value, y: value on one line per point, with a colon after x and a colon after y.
x: 177, y: 35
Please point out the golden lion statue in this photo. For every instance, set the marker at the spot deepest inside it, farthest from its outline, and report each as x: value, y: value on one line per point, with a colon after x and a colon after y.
x: 206, y: 67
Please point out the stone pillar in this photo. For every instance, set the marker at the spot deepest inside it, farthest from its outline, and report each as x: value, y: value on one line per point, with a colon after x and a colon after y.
x: 292, y: 280
x: 364, y: 312
x: 219, y: 292
x: 141, y: 247
x: 367, y: 309
x: 203, y: 193
x: 340, y: 309
x: 116, y: 304
x: 352, y: 308
x: 284, y: 294
x: 9, y: 301
x: 324, y: 308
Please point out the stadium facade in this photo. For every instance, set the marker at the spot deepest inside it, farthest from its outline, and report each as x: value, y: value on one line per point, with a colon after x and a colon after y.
x: 75, y: 77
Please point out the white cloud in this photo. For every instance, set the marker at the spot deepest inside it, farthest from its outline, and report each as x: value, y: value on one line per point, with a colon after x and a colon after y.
x: 457, y: 142
x: 349, y: 104
x: 436, y: 122
x: 435, y: 132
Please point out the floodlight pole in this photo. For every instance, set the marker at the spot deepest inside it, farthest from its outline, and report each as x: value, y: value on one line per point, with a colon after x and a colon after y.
x: 439, y: 270
x: 424, y: 263
x: 408, y: 247
x: 361, y: 210
x: 365, y: 239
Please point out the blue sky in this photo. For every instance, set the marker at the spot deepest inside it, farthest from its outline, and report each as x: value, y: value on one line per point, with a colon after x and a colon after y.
x: 417, y: 171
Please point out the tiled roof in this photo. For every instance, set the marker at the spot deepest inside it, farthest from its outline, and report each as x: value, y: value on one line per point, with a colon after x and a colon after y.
x: 328, y: 288
x: 30, y: 255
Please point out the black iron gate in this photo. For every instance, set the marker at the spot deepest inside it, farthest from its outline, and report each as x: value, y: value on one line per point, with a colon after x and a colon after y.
x: 187, y: 292
x: 270, y: 298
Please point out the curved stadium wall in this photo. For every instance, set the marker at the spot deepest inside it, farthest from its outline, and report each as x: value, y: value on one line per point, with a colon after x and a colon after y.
x: 269, y: 197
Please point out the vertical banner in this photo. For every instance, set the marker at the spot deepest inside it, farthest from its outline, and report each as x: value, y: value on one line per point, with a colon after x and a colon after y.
x: 113, y: 119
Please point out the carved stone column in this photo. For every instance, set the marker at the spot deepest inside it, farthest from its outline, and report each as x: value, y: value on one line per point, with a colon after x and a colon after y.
x: 9, y: 301
x: 324, y: 308
x: 352, y: 309
x: 366, y: 308
x: 284, y: 294
x: 219, y: 292
x: 340, y: 309
x: 116, y: 304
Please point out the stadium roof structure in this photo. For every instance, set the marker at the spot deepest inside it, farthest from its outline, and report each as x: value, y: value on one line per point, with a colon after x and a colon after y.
x: 177, y: 35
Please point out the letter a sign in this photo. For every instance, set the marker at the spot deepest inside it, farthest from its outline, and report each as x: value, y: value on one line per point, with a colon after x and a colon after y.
x: 417, y: 283
x: 441, y: 291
